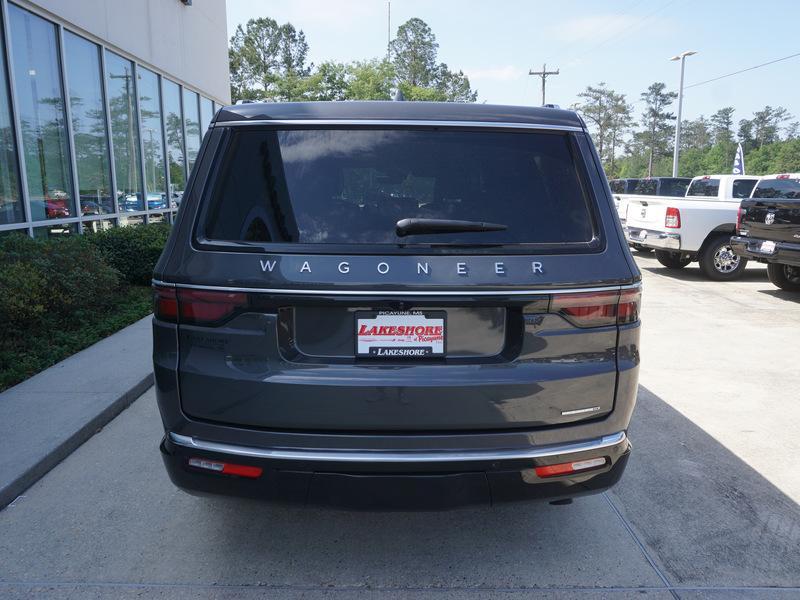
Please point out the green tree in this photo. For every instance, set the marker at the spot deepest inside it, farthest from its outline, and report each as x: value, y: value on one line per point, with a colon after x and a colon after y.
x: 722, y: 125
x: 370, y: 80
x: 329, y: 81
x: 657, y: 123
x: 267, y: 61
x: 414, y: 54
x: 609, y: 117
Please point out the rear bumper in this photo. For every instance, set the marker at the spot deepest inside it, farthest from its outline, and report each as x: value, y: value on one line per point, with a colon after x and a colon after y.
x: 396, y: 480
x: 785, y: 253
x: 652, y: 238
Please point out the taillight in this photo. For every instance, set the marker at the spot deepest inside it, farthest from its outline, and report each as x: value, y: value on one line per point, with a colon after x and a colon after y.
x: 740, y: 217
x: 673, y: 218
x: 782, y: 176
x: 577, y: 466
x: 226, y: 468
x: 201, y: 306
x: 165, y: 304
x: 598, y: 309
x: 196, y: 306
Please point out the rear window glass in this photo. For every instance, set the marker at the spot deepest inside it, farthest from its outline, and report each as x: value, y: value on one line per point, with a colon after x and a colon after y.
x: 617, y: 186
x: 778, y: 188
x: 644, y: 187
x: 336, y: 186
x: 674, y: 187
x: 704, y: 187
x: 743, y: 187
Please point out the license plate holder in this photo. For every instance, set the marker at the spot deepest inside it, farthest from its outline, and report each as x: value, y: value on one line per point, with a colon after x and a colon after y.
x: 400, y: 334
x: 767, y: 247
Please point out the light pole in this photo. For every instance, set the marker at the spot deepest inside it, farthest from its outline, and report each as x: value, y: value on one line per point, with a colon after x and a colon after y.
x: 681, y: 57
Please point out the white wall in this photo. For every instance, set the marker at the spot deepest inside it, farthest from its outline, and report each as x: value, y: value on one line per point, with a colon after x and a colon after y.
x: 188, y: 43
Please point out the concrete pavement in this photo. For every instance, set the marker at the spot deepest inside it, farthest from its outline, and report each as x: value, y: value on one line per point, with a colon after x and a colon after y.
x: 707, y: 509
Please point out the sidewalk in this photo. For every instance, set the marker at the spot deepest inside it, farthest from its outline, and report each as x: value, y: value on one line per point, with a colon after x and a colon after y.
x: 44, y: 419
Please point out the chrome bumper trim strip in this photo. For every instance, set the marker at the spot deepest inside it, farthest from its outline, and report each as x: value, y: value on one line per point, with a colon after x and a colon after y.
x: 390, y: 456
x: 374, y: 292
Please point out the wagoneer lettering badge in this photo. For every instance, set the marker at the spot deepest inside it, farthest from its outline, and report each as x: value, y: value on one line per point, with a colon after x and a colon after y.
x: 403, y: 305
x: 422, y: 268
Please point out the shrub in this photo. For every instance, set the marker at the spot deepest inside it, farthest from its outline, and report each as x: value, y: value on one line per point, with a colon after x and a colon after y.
x: 44, y: 283
x: 133, y: 251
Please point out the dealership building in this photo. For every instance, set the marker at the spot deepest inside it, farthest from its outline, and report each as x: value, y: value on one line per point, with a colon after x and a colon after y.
x: 103, y: 104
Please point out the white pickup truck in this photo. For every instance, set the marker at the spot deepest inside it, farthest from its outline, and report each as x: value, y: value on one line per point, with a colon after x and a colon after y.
x: 696, y: 227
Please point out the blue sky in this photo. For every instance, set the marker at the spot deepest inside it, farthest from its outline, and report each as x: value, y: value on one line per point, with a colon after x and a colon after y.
x: 625, y: 43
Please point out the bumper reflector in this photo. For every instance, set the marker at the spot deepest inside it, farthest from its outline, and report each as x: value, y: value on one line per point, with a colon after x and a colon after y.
x: 570, y: 467
x: 226, y: 468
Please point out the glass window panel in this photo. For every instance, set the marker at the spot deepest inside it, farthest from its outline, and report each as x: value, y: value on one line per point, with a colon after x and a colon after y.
x: 155, y: 178
x: 124, y: 131
x: 174, y: 126
x: 41, y: 113
x: 206, y: 114
x: 11, y: 210
x: 96, y: 225
x: 55, y: 230
x: 88, y: 124
x: 132, y: 220
x: 192, y: 122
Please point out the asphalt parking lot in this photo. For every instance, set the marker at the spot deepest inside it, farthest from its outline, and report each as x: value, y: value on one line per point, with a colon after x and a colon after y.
x: 708, y: 507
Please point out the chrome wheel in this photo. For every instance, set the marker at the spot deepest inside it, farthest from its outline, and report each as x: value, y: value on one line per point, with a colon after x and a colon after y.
x: 725, y: 261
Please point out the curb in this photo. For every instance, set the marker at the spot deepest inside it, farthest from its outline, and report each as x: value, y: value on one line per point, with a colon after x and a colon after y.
x: 47, y: 417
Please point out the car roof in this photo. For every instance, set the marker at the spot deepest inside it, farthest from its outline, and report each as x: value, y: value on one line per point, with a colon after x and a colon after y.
x: 782, y: 176
x: 727, y: 176
x: 412, y: 111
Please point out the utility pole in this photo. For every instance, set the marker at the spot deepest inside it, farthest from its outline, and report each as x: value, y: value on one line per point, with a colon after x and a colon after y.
x: 389, y: 28
x: 543, y: 74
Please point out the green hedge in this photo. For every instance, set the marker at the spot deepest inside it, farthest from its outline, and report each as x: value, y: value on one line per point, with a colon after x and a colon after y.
x: 59, y: 295
x: 133, y: 251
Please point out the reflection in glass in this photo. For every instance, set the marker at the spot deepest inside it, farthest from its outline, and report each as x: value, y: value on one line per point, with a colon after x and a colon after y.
x: 155, y: 177
x: 10, y: 198
x: 55, y: 230
x: 192, y: 122
x: 130, y: 220
x: 157, y: 218
x: 88, y: 124
x: 41, y: 114
x: 97, y: 225
x: 124, y: 132
x: 206, y: 114
x: 174, y: 127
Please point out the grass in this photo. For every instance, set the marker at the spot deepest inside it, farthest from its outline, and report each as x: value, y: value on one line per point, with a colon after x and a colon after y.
x: 24, y: 354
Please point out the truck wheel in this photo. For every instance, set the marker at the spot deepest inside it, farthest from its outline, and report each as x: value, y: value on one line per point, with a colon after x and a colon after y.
x: 640, y: 248
x: 718, y: 261
x: 672, y: 260
x: 785, y: 277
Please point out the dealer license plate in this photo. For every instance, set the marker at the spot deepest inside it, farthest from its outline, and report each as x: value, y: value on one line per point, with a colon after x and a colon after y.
x: 400, y: 334
x: 767, y: 247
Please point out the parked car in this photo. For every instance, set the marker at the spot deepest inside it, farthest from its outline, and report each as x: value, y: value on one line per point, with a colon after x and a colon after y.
x: 768, y: 229
x: 649, y: 186
x: 156, y: 201
x: 396, y: 304
x: 697, y: 227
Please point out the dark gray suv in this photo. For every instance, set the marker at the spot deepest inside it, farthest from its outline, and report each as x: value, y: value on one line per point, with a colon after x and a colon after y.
x: 396, y: 305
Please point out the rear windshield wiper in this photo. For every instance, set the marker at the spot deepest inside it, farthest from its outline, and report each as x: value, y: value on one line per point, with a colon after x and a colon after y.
x: 413, y: 226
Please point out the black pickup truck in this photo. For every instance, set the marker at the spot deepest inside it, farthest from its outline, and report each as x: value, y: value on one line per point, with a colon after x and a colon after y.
x: 768, y: 229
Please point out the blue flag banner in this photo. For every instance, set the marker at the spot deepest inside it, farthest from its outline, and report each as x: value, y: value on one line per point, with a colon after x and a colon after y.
x: 738, y: 161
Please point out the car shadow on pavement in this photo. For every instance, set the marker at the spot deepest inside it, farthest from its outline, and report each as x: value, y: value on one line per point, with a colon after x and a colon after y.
x: 688, y: 515
x: 693, y: 273
x: 782, y: 295
x: 704, y: 516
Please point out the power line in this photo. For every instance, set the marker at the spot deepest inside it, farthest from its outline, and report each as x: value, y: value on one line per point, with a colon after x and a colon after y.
x: 742, y: 70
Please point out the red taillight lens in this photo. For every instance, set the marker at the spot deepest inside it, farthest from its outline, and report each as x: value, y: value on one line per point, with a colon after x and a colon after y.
x: 226, y: 468
x: 165, y: 304
x: 196, y: 306
x: 201, y: 306
x: 577, y: 466
x: 739, y: 217
x: 598, y: 309
x: 673, y: 218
